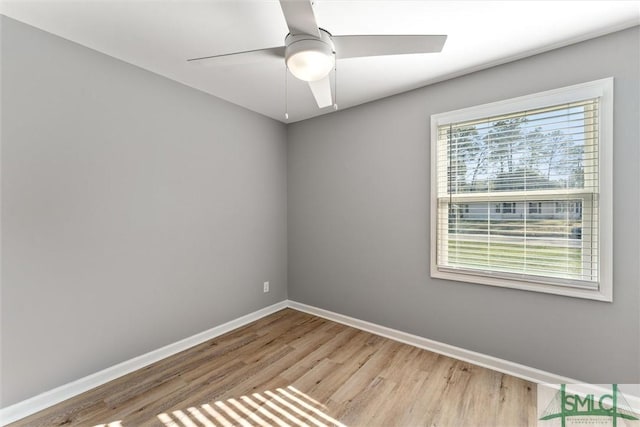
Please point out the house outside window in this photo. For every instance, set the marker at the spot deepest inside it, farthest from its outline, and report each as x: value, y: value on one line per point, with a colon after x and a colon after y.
x: 534, y: 177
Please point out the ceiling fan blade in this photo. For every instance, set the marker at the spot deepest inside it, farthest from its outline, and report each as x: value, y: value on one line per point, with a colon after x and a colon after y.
x: 241, y: 58
x: 321, y: 90
x: 300, y: 17
x: 358, y: 46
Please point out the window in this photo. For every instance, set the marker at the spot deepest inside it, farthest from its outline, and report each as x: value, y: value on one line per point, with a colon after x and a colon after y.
x: 534, y: 177
x: 574, y: 207
x: 509, y: 208
x: 535, y: 207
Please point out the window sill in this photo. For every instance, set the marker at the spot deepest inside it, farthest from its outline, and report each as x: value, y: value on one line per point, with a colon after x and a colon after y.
x: 603, y: 293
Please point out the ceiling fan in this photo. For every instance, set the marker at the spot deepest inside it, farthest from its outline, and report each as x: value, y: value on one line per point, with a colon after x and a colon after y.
x: 310, y: 52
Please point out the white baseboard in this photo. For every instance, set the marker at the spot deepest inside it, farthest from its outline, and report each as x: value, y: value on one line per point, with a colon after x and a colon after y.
x: 49, y: 398
x: 500, y: 365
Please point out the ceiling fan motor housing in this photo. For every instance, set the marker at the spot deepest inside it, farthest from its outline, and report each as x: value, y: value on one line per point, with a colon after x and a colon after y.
x: 310, y: 58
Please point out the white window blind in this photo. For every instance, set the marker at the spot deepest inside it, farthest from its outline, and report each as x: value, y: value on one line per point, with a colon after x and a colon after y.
x: 518, y: 195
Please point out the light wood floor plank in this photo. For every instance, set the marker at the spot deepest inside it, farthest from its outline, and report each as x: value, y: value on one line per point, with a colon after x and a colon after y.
x: 294, y: 369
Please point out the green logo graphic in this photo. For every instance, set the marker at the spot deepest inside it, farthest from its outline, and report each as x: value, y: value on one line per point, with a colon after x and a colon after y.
x: 565, y: 405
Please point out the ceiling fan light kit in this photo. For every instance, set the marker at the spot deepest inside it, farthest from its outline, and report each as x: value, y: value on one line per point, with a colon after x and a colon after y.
x: 308, y: 58
x: 310, y: 52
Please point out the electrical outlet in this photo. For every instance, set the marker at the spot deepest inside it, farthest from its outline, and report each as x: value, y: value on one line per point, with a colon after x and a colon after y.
x: 265, y: 287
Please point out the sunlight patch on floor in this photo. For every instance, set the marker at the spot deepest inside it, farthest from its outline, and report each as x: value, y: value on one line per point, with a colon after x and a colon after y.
x: 283, y: 407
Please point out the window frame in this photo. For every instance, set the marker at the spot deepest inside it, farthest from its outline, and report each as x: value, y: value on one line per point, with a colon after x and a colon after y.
x: 602, y: 89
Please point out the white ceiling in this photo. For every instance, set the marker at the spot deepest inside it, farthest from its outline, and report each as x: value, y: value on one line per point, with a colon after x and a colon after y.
x: 159, y: 35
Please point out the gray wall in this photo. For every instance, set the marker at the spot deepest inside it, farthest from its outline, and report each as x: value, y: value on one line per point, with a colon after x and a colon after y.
x: 135, y: 211
x: 359, y: 222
